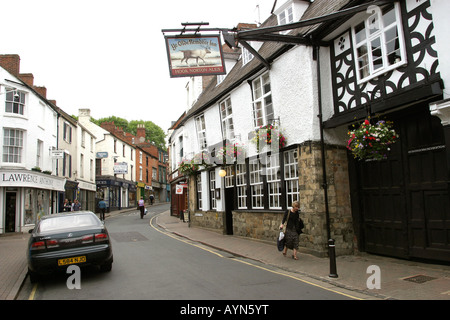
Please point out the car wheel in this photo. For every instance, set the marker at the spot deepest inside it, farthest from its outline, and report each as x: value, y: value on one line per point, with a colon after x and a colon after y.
x: 34, y: 277
x: 106, y: 267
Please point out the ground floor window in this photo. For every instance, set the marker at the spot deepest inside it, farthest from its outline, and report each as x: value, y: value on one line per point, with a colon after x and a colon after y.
x: 270, y: 182
x: 37, y: 204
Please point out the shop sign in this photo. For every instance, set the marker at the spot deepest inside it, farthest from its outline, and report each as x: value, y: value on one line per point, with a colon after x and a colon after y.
x: 30, y: 179
x: 190, y: 56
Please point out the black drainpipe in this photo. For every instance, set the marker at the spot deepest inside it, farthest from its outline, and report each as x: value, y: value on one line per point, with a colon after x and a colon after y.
x: 331, y: 246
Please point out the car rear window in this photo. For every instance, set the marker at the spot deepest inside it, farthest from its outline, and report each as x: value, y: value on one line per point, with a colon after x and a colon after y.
x: 66, y: 222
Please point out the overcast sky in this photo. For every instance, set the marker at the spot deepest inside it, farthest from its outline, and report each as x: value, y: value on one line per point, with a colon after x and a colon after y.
x: 110, y: 56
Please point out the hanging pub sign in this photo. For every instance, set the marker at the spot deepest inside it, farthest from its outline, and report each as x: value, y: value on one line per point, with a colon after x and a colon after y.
x: 195, y: 55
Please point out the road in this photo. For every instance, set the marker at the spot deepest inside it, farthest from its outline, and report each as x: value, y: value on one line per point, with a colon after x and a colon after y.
x: 151, y: 264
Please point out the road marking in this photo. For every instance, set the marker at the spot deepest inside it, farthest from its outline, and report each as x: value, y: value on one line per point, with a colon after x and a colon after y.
x: 33, y: 292
x: 250, y: 264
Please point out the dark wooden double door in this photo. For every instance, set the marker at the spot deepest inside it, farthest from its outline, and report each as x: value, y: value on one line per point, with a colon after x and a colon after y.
x: 401, y: 206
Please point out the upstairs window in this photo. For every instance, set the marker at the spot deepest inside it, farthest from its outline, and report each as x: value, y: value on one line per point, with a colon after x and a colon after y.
x: 262, y: 101
x: 15, y: 102
x: 285, y: 17
x: 247, y: 56
x: 226, y: 113
x: 201, y: 132
x: 378, y: 43
x: 12, y: 145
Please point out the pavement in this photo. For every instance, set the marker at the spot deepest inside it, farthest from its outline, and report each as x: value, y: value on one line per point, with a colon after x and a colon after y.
x: 391, y: 279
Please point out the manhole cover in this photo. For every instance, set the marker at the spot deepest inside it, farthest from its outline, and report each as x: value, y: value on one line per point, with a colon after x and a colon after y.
x: 128, y: 236
x: 419, y: 278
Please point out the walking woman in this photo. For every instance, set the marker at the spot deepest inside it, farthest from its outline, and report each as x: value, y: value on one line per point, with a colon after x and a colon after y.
x: 294, y: 226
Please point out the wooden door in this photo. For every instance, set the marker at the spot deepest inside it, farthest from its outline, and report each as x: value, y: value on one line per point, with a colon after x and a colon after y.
x: 402, y: 205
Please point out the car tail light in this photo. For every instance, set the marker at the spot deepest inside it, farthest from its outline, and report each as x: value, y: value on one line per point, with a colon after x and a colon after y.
x: 87, y: 239
x: 101, y: 237
x: 38, y: 245
x: 52, y: 244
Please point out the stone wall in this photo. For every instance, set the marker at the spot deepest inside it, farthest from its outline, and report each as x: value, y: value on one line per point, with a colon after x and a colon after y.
x: 263, y: 225
x: 312, y: 199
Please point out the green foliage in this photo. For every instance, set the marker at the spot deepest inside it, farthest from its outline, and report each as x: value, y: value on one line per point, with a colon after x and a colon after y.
x: 154, y: 133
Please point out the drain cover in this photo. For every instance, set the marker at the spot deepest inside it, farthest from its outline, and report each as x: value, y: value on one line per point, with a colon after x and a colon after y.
x: 128, y: 236
x: 419, y: 278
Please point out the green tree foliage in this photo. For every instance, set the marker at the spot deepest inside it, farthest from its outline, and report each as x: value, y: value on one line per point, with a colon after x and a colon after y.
x: 153, y: 132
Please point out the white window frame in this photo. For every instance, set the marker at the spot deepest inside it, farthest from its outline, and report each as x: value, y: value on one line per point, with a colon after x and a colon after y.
x: 201, y: 132
x: 256, y: 184
x: 285, y: 17
x: 262, y: 100
x: 291, y: 176
x: 274, y: 181
x: 13, y: 146
x: 226, y: 114
x: 212, y: 189
x: 241, y: 184
x: 199, y: 192
x: 247, y: 56
x: 375, y: 30
x: 39, y: 153
x: 15, y: 99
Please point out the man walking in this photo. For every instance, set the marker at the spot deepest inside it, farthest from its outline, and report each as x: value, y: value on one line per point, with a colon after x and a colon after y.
x: 102, y: 207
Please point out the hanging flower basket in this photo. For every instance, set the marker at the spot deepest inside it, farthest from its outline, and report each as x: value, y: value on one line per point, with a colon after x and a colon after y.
x: 266, y: 134
x: 372, y: 141
x: 188, y: 167
x: 192, y: 166
x: 230, y: 152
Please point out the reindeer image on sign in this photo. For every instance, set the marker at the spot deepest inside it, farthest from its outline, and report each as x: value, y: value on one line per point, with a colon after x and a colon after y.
x: 195, y: 56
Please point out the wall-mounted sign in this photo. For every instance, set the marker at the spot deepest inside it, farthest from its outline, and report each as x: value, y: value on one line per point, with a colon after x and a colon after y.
x: 120, y: 168
x: 57, y: 154
x: 103, y: 154
x: 195, y: 55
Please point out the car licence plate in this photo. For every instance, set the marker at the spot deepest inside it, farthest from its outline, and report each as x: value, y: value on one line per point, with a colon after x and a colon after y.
x: 66, y: 261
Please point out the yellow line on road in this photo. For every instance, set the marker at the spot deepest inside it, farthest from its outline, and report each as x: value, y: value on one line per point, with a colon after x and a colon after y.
x: 251, y: 264
x: 33, y: 292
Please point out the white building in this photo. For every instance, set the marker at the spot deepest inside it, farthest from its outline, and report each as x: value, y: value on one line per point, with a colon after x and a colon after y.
x: 28, y: 130
x: 77, y: 162
x: 115, y: 165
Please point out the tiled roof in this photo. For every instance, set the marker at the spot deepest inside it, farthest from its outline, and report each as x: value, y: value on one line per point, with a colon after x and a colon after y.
x: 269, y: 51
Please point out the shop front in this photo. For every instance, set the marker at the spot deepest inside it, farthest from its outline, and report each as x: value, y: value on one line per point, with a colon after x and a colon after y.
x: 26, y: 196
x: 117, y: 193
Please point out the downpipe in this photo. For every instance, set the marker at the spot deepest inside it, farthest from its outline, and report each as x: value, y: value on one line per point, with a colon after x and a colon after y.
x: 331, y: 245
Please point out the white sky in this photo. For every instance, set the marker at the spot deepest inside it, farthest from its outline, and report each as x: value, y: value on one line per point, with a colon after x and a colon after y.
x: 108, y: 55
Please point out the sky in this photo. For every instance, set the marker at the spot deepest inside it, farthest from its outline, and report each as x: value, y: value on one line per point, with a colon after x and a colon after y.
x: 109, y: 56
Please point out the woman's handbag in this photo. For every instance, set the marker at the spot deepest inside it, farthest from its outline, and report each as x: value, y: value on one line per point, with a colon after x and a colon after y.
x: 280, y: 241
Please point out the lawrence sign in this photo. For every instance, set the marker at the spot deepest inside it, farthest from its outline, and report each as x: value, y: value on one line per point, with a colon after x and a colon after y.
x: 194, y: 56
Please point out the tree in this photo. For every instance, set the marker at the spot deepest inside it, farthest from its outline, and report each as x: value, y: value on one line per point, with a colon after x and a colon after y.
x: 153, y: 132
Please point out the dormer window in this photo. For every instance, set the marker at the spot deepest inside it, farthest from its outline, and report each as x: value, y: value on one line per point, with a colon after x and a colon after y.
x: 378, y: 42
x: 286, y: 16
x: 247, y: 56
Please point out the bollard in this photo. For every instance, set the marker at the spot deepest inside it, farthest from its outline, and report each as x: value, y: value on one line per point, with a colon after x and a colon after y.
x: 332, y: 255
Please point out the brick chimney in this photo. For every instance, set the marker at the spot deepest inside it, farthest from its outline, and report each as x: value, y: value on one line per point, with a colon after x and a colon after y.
x: 140, y: 133
x: 42, y: 91
x: 108, y: 126
x: 28, y: 78
x: 11, y: 63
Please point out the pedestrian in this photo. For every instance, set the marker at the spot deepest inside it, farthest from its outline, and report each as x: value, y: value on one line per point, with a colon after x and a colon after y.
x: 76, y: 205
x: 152, y: 198
x: 67, y: 207
x: 102, y: 207
x: 294, y: 226
x: 141, y: 207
